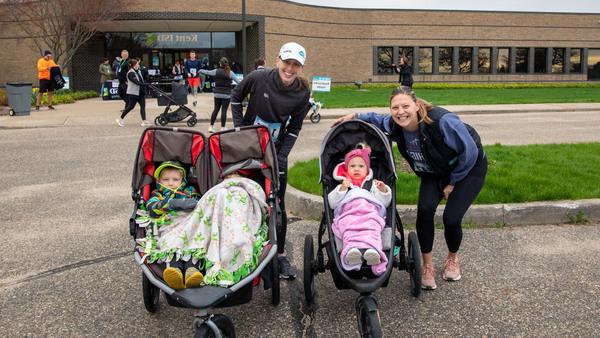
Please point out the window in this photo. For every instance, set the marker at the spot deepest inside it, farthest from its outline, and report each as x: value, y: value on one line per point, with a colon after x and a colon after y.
x: 558, y: 60
x: 484, y: 60
x: 593, y: 64
x: 426, y: 60
x: 384, y: 60
x: 503, y: 63
x: 445, y: 60
x: 575, y: 60
x: 522, y: 60
x: 406, y: 51
x: 465, y: 60
x: 539, y: 60
x: 223, y: 40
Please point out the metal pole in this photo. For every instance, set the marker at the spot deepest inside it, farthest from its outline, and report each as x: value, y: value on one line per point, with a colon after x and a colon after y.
x: 244, y: 36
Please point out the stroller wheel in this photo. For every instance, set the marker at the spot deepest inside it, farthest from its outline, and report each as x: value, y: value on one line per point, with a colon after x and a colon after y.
x: 367, y: 315
x: 315, y: 117
x: 224, y: 326
x: 160, y: 121
x: 309, y: 270
x: 414, y: 265
x: 192, y: 121
x: 275, y: 291
x: 151, y: 294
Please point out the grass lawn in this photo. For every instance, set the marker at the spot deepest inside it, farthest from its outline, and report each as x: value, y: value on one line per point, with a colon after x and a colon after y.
x: 378, y: 96
x: 516, y: 174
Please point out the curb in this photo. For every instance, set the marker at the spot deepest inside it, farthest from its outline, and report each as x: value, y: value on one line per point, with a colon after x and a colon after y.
x: 533, y: 213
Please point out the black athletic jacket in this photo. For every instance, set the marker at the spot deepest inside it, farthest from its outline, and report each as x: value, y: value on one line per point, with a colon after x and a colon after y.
x: 272, y: 102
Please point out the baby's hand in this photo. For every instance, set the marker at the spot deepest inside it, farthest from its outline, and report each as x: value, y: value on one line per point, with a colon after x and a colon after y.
x: 345, y: 184
x: 380, y: 185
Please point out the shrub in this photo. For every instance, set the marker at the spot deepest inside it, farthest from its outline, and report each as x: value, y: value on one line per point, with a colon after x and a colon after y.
x: 64, y: 96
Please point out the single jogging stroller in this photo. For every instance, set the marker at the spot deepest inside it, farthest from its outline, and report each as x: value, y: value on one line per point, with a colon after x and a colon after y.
x: 178, y: 97
x: 338, y: 141
x: 207, y: 161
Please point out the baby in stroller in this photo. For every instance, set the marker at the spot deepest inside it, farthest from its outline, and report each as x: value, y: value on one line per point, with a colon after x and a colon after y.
x: 223, y: 235
x: 359, y: 204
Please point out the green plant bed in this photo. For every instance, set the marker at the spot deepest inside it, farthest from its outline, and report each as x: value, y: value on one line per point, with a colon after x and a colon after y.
x: 64, y: 96
x: 516, y: 174
x: 465, y: 94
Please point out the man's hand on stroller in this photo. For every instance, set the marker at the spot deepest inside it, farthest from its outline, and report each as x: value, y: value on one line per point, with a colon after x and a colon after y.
x: 183, y: 204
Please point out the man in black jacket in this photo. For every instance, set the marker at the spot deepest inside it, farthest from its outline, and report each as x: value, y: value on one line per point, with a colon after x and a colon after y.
x: 278, y: 100
x: 123, y: 68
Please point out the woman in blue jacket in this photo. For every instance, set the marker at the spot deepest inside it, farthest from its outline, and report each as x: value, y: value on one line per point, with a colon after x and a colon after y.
x: 448, y: 157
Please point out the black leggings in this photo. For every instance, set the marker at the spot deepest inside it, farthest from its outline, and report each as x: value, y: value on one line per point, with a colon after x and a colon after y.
x: 283, y: 226
x: 461, y: 198
x: 133, y: 99
x: 222, y: 104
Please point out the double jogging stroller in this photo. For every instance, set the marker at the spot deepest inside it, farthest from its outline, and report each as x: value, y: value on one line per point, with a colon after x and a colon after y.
x: 178, y: 97
x: 338, y: 141
x: 207, y: 160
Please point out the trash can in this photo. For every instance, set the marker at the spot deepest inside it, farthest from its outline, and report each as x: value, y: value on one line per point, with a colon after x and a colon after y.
x: 19, y: 98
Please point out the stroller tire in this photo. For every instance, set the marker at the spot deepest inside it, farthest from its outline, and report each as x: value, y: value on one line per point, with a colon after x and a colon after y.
x: 151, y: 294
x: 275, y: 290
x: 309, y: 269
x: 315, y: 117
x: 415, y: 264
x: 160, y: 121
x: 192, y: 121
x: 223, y: 323
x: 367, y: 315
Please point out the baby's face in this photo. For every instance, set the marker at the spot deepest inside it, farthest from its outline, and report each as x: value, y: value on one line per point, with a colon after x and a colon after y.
x: 170, y: 178
x: 357, y: 168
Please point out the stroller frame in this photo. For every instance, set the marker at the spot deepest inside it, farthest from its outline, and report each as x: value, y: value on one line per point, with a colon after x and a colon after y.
x: 204, y: 299
x: 363, y: 281
x: 178, y: 115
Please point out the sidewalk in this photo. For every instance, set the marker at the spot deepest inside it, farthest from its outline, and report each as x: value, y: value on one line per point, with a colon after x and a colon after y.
x: 95, y: 112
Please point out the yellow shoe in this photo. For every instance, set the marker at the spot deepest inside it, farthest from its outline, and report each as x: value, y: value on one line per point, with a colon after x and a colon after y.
x: 174, y: 278
x: 193, y: 278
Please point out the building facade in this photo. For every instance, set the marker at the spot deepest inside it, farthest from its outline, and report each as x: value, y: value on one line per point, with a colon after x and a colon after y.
x: 347, y: 45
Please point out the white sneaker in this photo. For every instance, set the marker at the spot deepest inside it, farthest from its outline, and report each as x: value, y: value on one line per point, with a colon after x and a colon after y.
x: 211, y: 129
x: 120, y: 122
x: 146, y: 123
x: 223, y: 128
x: 353, y: 257
x: 372, y: 257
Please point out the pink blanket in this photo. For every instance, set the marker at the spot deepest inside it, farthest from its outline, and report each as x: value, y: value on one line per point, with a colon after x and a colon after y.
x: 358, y: 223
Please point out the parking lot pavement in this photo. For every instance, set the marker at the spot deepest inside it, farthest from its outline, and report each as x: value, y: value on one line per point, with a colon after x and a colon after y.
x: 67, y: 269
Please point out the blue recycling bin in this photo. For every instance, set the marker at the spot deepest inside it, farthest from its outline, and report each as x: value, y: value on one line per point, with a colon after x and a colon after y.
x: 19, y: 98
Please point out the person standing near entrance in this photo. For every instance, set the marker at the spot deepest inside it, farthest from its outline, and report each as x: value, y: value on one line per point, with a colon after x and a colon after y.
x: 122, y: 76
x: 106, y: 73
x: 278, y: 100
x: 192, y: 67
x: 43, y: 66
x: 405, y: 70
x: 223, y: 77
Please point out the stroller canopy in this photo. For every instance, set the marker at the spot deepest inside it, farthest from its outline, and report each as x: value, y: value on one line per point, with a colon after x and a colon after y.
x: 344, y: 137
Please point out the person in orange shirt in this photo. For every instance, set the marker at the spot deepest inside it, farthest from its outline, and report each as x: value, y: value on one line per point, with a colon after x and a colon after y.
x: 43, y: 65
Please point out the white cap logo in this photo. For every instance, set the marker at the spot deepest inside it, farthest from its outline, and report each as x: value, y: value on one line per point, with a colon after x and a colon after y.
x: 292, y: 50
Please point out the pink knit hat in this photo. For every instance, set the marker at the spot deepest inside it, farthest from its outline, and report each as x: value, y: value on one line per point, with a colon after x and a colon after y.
x: 362, y: 153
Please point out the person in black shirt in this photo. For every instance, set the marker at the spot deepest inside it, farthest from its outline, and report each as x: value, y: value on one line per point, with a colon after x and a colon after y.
x: 279, y: 100
x: 405, y: 70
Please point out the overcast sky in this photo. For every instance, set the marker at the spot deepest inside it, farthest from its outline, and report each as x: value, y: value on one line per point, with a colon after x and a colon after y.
x: 561, y: 6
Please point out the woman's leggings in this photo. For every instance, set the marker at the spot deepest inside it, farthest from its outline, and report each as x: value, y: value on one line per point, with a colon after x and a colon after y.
x: 223, y: 105
x: 133, y: 99
x: 461, y: 198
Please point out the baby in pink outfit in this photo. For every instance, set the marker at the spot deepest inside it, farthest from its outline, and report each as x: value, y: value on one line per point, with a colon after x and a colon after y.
x: 359, y: 204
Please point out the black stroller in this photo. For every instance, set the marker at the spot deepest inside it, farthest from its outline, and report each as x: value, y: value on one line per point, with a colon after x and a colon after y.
x: 338, y: 141
x: 208, y: 160
x: 178, y: 96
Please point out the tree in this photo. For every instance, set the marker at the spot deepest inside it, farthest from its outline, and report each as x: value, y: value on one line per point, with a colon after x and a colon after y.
x: 61, y: 26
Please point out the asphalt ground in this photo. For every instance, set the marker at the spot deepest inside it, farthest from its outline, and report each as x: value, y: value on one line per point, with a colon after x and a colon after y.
x: 67, y: 266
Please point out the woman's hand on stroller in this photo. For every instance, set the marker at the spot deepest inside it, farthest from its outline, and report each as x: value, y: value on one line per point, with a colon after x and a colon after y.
x: 184, y: 204
x: 343, y: 119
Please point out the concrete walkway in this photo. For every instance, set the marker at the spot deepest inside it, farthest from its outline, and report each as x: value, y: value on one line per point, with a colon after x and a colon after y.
x: 506, y: 124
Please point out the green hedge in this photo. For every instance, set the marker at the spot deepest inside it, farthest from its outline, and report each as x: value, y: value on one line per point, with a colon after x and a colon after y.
x: 64, y: 96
